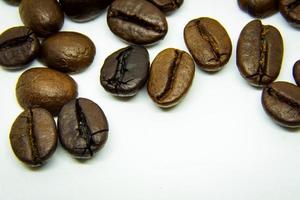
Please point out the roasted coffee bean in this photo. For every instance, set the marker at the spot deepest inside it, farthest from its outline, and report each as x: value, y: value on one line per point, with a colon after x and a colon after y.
x: 259, y: 8
x: 290, y: 10
x: 171, y: 76
x: 83, y: 10
x: 137, y: 21
x: 125, y: 71
x: 13, y: 2
x: 18, y: 47
x: 44, y: 17
x: 45, y: 88
x: 33, y: 136
x: 167, y: 5
x: 68, y: 52
x: 296, y: 72
x: 208, y: 42
x: 259, y: 53
x: 83, y: 128
x: 281, y: 101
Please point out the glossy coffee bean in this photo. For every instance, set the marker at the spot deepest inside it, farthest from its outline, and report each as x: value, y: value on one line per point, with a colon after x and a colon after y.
x: 167, y: 5
x: 83, y: 128
x: 45, y: 88
x: 18, y: 47
x: 208, y: 42
x: 281, y: 101
x: 125, y: 71
x: 171, y: 76
x: 259, y: 53
x: 13, y: 2
x: 83, y: 10
x: 296, y: 72
x: 33, y: 136
x: 68, y: 52
x: 259, y: 8
x: 44, y: 17
x: 290, y: 10
x: 137, y: 21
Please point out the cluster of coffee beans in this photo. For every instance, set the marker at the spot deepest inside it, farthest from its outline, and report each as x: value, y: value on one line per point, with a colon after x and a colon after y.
x: 82, y: 126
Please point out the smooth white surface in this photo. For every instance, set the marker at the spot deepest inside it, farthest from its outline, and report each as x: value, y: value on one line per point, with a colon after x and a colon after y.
x: 217, y: 144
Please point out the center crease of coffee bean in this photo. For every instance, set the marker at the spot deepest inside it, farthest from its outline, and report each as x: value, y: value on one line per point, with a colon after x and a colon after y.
x: 135, y: 20
x: 263, y: 59
x: 171, y: 75
x: 293, y: 5
x: 284, y: 99
x: 121, y: 69
x: 16, y: 41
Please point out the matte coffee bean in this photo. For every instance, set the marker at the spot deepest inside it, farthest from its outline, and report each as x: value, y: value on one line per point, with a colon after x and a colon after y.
x: 259, y: 53
x: 45, y: 88
x: 13, y: 2
x: 208, y: 42
x: 137, y: 21
x: 167, y: 5
x: 83, y: 128
x: 290, y: 10
x: 83, y: 10
x: 259, y: 8
x: 281, y: 101
x: 44, y: 17
x: 68, y: 52
x: 171, y: 76
x: 33, y: 136
x: 18, y: 47
x: 125, y: 71
x: 296, y: 72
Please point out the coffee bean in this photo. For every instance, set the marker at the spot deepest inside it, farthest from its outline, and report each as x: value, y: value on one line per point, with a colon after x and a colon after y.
x: 45, y: 88
x: 281, y: 101
x: 167, y: 5
x: 83, y: 10
x: 296, y: 72
x: 125, y: 71
x: 18, y: 47
x: 208, y: 42
x: 259, y: 53
x: 33, y: 136
x: 83, y: 128
x: 13, y: 2
x: 290, y: 10
x: 68, y: 52
x: 44, y: 17
x: 137, y: 21
x: 259, y: 8
x: 171, y: 76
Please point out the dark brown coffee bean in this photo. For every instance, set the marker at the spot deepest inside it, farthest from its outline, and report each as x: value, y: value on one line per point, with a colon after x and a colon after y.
x: 171, y: 76
x: 33, y: 136
x: 68, y: 52
x: 18, y: 47
x: 125, y: 71
x: 83, y: 128
x: 259, y: 53
x: 45, y: 88
x: 259, y: 8
x: 290, y: 10
x: 137, y: 21
x: 167, y: 5
x: 281, y: 101
x: 208, y: 42
x: 13, y: 2
x: 83, y: 10
x: 296, y: 72
x: 44, y: 17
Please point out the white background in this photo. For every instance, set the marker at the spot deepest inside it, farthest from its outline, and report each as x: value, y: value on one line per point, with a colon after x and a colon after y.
x: 218, y: 143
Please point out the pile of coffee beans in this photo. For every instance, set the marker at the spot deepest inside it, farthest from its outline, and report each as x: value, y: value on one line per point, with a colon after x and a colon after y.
x: 82, y: 127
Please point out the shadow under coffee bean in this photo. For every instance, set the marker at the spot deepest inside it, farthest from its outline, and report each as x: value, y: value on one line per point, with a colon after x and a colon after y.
x: 83, y: 128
